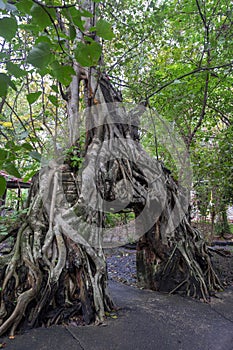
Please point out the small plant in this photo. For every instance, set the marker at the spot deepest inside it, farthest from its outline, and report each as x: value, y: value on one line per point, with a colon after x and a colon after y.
x: 8, y: 221
x: 73, y: 156
x: 222, y: 228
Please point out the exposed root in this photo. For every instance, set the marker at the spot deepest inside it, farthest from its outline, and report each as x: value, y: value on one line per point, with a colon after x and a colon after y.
x: 178, y: 261
x: 53, y: 275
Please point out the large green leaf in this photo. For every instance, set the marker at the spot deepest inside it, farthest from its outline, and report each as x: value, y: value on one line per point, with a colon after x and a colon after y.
x: 43, y: 39
x: 11, y: 170
x: 4, y: 79
x: 35, y: 155
x: 15, y: 70
x: 33, y: 97
x: 53, y: 100
x: 3, y: 154
x: 27, y: 146
x: 85, y: 13
x: 41, y: 16
x: 88, y: 54
x: 75, y: 17
x: 55, y: 88
x: 62, y: 73
x: 40, y: 56
x: 2, y: 185
x: 72, y: 32
x: 22, y: 135
x: 8, y: 27
x: 104, y: 30
x: 5, y: 82
x: 24, y: 6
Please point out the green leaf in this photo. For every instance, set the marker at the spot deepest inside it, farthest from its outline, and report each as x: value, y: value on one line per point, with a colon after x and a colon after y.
x: 62, y: 73
x: 23, y: 135
x: 72, y: 32
x: 33, y: 97
x: 12, y: 170
x: 114, y: 316
x: 2, y: 185
x: 12, y: 85
x: 88, y: 39
x: 55, y: 88
x: 3, y: 84
x: 27, y: 146
x: 53, y: 99
x: 85, y: 13
x: 40, y: 55
x: 41, y: 16
x: 8, y: 27
x: 15, y: 70
x: 104, y: 30
x: 35, y: 155
x: 4, y: 55
x: 43, y: 39
x: 74, y: 16
x: 29, y: 175
x: 88, y: 54
x: 24, y: 6
x: 3, y: 154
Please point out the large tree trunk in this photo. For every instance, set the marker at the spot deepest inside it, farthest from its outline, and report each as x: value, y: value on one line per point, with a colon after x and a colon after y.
x: 55, y: 270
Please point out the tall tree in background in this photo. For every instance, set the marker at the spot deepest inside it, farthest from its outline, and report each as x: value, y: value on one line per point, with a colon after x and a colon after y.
x: 55, y: 270
x: 178, y: 54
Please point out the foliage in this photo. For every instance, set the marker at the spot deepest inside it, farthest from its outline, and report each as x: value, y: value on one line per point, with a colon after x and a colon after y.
x: 8, y: 221
x: 177, y: 57
x: 38, y: 48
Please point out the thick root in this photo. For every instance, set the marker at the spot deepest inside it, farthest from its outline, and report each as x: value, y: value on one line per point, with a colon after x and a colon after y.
x: 53, y: 275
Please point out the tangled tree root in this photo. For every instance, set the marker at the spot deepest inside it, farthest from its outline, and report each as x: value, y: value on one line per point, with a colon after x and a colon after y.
x: 177, y: 261
x: 51, y: 275
x: 56, y: 270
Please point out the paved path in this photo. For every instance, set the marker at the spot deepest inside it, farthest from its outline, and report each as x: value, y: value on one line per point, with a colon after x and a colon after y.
x: 147, y: 321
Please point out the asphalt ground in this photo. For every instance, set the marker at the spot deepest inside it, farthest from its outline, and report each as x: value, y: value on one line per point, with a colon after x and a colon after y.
x: 146, y: 320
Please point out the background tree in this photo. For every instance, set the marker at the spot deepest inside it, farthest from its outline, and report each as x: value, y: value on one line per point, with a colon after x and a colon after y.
x: 178, y: 54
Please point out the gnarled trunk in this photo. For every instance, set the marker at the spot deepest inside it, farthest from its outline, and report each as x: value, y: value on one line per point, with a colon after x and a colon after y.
x: 55, y: 270
x: 175, y: 260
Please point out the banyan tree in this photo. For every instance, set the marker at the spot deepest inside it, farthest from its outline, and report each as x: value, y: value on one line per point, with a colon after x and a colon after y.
x: 54, y: 269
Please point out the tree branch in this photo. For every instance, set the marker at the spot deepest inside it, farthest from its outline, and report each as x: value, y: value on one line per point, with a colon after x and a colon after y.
x: 54, y: 6
x: 223, y: 117
x: 204, y: 104
x: 197, y: 70
x: 126, y: 53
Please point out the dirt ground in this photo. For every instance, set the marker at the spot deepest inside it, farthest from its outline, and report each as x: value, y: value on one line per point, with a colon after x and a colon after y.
x: 121, y: 264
